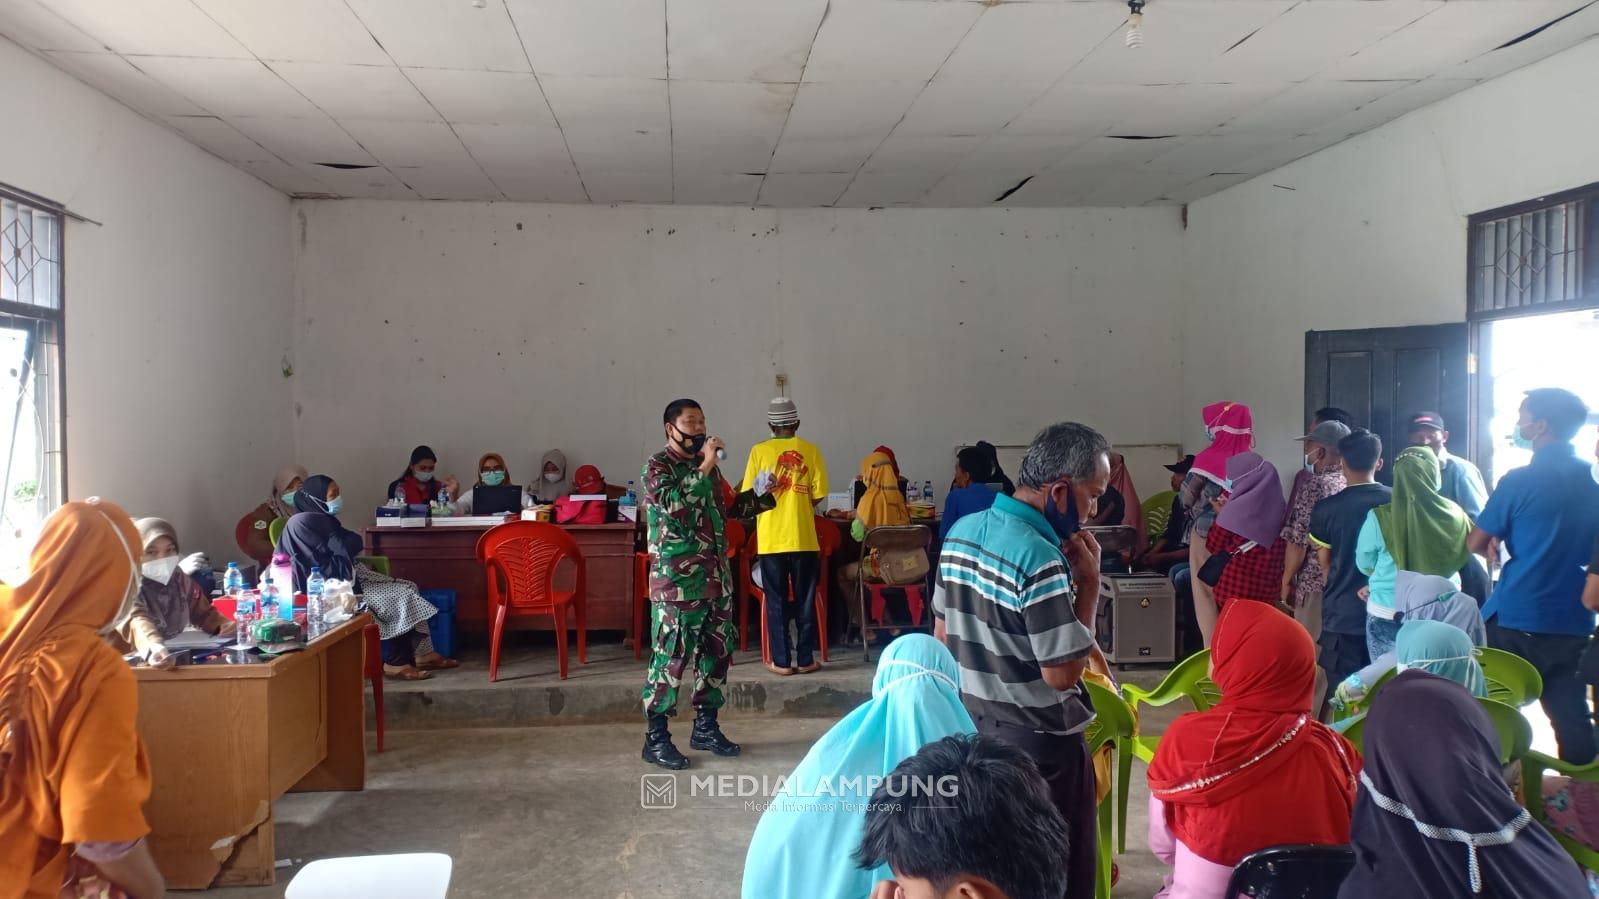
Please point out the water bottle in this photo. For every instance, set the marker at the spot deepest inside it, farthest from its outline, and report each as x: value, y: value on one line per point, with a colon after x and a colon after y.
x: 927, y: 491
x: 243, y: 606
x: 630, y: 498
x: 269, y: 598
x: 399, y: 496
x: 912, y: 492
x: 313, y: 602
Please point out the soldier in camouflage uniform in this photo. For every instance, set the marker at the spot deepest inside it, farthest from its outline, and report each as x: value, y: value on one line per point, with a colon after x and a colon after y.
x: 691, y: 588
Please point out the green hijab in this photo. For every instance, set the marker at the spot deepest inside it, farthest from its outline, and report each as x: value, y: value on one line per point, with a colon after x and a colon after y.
x: 1425, y: 532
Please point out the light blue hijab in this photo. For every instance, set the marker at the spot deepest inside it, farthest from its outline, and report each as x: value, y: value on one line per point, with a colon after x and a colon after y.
x: 1441, y: 649
x: 801, y: 848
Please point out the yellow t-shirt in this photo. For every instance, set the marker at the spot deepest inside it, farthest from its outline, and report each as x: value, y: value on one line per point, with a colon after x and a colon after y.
x: 799, y: 479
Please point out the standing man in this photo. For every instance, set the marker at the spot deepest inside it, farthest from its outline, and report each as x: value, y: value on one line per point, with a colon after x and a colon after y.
x: 691, y: 601
x: 1335, y: 525
x: 1303, y: 576
x: 1014, y: 608
x: 1547, y: 515
x: 786, y: 536
x: 1462, y: 482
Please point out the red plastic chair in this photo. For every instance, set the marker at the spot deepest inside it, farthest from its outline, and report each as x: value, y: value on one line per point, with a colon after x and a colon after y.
x: 828, y: 539
x: 641, y: 588
x: 525, y: 554
x: 641, y: 600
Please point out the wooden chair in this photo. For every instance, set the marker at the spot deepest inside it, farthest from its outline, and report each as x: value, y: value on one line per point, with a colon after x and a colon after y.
x: 525, y: 555
x: 893, y: 538
x: 374, y: 649
x: 828, y: 541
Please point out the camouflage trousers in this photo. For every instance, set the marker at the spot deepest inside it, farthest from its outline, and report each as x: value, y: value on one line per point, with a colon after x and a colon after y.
x: 698, y: 634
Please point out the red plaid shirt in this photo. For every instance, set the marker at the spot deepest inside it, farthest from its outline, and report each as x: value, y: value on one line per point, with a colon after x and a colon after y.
x: 1257, y: 574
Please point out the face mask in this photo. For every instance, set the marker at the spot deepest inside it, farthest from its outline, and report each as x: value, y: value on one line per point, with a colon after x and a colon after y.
x: 1065, y: 523
x: 288, y: 498
x: 691, y: 443
x: 160, y: 570
x: 1519, y: 440
x: 493, y: 478
x: 422, y: 476
x: 335, y: 506
x: 552, y: 476
x: 1310, y: 466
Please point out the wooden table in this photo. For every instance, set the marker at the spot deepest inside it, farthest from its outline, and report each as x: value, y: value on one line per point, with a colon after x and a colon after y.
x: 444, y: 557
x: 224, y: 741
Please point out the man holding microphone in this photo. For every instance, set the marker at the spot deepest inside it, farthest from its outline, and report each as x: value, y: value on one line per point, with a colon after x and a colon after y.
x: 691, y: 588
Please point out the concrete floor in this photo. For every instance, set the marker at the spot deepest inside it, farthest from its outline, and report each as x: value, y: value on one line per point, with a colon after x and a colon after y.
x: 555, y: 812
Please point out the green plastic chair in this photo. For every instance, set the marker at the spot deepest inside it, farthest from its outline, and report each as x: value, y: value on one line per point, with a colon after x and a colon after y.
x: 1515, y: 734
x: 275, y: 530
x: 1157, y: 514
x: 1511, y: 679
x: 1114, y: 724
x: 1189, y: 680
x: 1533, y: 766
x: 1359, y: 709
x: 380, y: 564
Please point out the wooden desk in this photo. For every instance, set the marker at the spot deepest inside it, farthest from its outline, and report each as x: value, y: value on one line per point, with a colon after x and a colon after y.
x: 224, y: 741
x: 444, y: 557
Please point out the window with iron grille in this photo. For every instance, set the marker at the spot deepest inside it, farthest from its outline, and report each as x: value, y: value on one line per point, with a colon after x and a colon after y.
x: 1535, y: 257
x: 32, y: 442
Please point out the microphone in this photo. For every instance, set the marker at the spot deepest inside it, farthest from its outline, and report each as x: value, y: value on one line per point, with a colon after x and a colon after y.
x: 721, y: 454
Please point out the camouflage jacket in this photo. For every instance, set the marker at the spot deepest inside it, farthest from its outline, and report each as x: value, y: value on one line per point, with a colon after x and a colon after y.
x: 684, y: 512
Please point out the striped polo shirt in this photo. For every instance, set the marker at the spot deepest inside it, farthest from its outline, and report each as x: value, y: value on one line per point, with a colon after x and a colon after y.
x: 1005, y: 597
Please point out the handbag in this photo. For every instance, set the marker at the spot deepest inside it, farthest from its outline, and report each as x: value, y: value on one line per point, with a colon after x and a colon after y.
x: 897, y: 567
x: 579, y: 511
x: 1211, y: 571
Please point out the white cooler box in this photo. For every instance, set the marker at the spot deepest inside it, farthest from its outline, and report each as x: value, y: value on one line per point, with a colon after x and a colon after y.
x: 1137, y: 618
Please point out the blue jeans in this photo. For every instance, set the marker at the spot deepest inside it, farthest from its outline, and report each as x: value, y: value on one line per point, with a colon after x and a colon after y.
x: 1381, y: 633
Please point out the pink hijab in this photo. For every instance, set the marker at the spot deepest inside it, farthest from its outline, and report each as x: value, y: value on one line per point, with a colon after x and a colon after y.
x: 1231, y: 432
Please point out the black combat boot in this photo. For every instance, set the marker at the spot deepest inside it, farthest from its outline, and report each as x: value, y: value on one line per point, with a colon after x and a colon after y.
x: 658, y: 748
x: 708, y: 735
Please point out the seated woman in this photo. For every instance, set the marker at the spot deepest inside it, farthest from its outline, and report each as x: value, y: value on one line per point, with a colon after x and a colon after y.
x: 1435, y: 819
x: 554, y: 485
x: 73, y: 775
x: 1418, y: 598
x: 168, y: 602
x: 1254, y: 771
x: 316, y: 538
x: 971, y: 491
x: 881, y: 505
x: 491, y: 472
x: 1250, y: 527
x: 418, y: 485
x: 900, y: 483
x: 253, y: 531
x: 801, y: 849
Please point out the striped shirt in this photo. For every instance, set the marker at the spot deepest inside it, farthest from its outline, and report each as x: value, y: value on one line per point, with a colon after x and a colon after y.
x: 1005, y: 597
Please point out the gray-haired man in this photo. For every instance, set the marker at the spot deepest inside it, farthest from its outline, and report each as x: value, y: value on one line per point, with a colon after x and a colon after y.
x: 1017, y: 587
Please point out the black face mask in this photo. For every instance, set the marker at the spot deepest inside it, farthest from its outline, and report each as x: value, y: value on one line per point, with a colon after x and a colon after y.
x: 691, y: 444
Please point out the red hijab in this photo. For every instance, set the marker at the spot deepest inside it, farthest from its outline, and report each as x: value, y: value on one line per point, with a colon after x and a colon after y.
x: 1232, y: 431
x: 892, y: 459
x: 1257, y: 770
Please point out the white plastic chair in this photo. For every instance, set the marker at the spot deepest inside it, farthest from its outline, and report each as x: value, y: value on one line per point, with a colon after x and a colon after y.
x: 416, y: 875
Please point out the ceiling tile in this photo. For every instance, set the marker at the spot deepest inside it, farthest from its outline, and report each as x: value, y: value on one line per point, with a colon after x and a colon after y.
x: 1280, y: 154
x: 1558, y: 36
x: 221, y: 138
x: 862, y: 109
x: 151, y: 27
x: 1059, y: 187
x: 620, y: 151
x: 1454, y: 34
x: 371, y: 92
x: 33, y: 26
x: 950, y: 106
x: 1181, y: 36
x: 795, y: 190
x: 286, y: 178
x: 740, y: 40
x: 484, y: 98
x: 613, y: 38
x: 1210, y: 154
x: 404, y: 144
x: 887, y: 40
x: 514, y: 147
x: 299, y: 30
x: 638, y: 104
x: 117, y: 77
x: 1115, y: 152
x: 444, y: 35
x: 1018, y: 154
x: 888, y: 188
x: 722, y: 152
x: 308, y: 140
x: 970, y: 189
x: 228, y: 87
x: 542, y: 185
x: 1204, y: 187
x: 1032, y: 42
x: 743, y: 106
x: 824, y: 154
x: 374, y: 184
x: 1084, y: 109
x: 906, y: 153
x: 1192, y: 108
x: 1304, y: 106
x: 449, y: 182
x: 1310, y: 37
x: 716, y: 190
x: 628, y: 187
x: 1393, y: 105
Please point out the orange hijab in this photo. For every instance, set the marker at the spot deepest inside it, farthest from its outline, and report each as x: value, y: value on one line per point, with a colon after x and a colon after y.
x: 72, y: 768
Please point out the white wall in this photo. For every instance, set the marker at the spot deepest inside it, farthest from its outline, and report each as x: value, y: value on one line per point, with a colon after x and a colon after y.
x: 1373, y: 234
x: 516, y: 328
x: 178, y: 307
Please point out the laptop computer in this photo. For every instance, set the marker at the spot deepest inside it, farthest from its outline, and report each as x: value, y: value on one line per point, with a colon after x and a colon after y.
x: 499, y: 500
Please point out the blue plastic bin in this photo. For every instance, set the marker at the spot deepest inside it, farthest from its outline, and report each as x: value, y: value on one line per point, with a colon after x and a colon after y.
x: 442, y: 625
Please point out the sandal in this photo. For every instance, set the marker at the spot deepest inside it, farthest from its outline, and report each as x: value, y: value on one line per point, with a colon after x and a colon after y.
x: 807, y: 669
x: 436, y: 662
x: 780, y: 672
x: 404, y: 672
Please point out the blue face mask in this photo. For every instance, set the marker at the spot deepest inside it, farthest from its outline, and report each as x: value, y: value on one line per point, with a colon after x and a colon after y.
x: 422, y: 476
x: 288, y: 498
x: 335, y: 505
x: 1519, y: 440
x: 492, y: 478
x: 1065, y: 523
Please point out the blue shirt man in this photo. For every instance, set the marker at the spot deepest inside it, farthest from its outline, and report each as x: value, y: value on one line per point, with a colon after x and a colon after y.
x: 1547, y: 516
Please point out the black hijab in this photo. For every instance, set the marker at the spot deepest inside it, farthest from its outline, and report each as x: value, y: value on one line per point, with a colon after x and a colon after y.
x: 312, y: 537
x: 1433, y: 750
x: 1004, y: 481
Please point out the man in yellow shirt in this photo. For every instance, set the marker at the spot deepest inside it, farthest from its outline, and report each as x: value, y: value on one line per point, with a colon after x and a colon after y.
x: 786, y: 536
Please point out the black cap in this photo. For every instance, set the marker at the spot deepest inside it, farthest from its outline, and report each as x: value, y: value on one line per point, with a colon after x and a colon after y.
x: 1427, y: 420
x: 1181, y: 467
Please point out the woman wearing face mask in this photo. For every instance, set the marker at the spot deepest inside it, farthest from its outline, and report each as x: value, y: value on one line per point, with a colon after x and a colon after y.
x: 73, y: 775
x: 252, y: 532
x: 1230, y: 429
x: 491, y: 472
x: 419, y: 483
x: 1250, y: 527
x: 554, y: 484
x: 169, y: 600
x: 316, y: 538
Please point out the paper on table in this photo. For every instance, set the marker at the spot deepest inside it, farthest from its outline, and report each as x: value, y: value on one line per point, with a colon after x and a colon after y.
x: 193, y: 638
